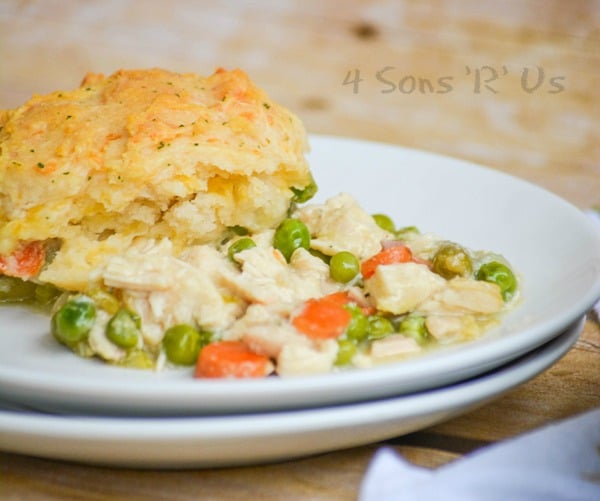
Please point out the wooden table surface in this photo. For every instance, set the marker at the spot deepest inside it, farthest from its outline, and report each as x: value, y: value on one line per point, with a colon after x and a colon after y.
x: 510, y: 84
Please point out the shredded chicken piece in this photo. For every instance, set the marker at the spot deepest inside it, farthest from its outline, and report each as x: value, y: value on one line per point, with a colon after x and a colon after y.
x: 152, y: 329
x: 166, y: 290
x: 267, y: 278
x: 341, y: 224
x: 423, y: 245
x: 312, y: 269
x: 452, y: 328
x: 140, y: 268
x: 393, y: 346
x: 137, y: 274
x: 99, y: 343
x: 464, y: 295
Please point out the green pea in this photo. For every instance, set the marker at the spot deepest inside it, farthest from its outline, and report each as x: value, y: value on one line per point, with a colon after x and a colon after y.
x: 239, y: 246
x: 346, y: 351
x: 384, y: 222
x: 406, y: 231
x: 414, y: 326
x: 343, y: 266
x: 451, y: 260
x: 105, y: 300
x: 499, y: 274
x: 138, y: 359
x: 182, y: 344
x: 302, y: 195
x: 123, y: 329
x: 378, y: 327
x: 73, y: 321
x: 290, y: 235
x: 357, y: 327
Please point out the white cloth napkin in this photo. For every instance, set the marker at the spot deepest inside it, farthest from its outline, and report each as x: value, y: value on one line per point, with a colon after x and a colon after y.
x: 558, y: 462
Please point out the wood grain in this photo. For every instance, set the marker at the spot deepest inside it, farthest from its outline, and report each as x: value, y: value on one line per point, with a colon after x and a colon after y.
x: 510, y: 84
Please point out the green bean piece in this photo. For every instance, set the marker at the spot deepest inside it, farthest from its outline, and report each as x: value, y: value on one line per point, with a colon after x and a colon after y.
x: 302, y: 195
x: 357, y: 327
x: 385, y: 222
x: 346, y: 351
x: 182, y: 344
x: 290, y: 235
x: 451, y: 260
x: 414, y: 326
x: 378, y: 327
x: 123, y: 329
x: 73, y: 321
x: 343, y: 266
x: 499, y: 274
x: 240, y: 245
x: 15, y: 290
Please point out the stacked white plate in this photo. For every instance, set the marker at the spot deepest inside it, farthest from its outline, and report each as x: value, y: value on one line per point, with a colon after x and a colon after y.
x: 54, y: 404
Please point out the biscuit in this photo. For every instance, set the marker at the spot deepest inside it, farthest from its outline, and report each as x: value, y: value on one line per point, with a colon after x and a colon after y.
x: 144, y: 154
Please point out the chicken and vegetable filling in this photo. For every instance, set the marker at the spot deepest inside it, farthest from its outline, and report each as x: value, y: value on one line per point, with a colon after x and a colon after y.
x: 332, y: 287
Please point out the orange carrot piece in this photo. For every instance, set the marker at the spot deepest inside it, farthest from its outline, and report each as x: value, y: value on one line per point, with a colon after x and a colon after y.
x: 230, y: 359
x: 391, y: 255
x: 25, y: 262
x: 325, y: 317
x: 338, y: 298
x: 342, y: 298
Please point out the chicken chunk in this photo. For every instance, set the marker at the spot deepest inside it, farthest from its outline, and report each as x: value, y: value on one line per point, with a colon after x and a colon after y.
x: 341, y: 224
x: 166, y: 290
x: 399, y: 288
x: 267, y: 278
x: 127, y: 272
x: 394, y: 345
x: 266, y: 331
x: 301, y: 360
x: 100, y: 344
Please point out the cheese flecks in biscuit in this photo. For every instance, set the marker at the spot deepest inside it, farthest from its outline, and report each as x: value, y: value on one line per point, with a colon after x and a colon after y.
x: 144, y: 154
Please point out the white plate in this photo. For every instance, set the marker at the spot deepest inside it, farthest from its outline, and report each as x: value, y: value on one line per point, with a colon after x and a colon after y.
x: 551, y: 243
x: 254, y: 438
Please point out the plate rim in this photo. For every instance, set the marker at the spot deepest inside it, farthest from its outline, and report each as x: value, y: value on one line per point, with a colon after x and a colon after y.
x: 28, y: 388
x: 69, y: 438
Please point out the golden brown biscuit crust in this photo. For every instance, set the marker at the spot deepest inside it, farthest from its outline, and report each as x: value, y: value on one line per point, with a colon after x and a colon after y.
x: 144, y: 154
